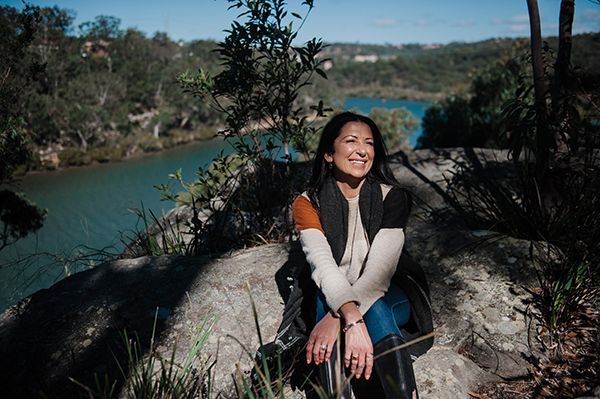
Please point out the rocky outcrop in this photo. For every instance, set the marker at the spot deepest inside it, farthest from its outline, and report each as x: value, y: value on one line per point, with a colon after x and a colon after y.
x: 73, y: 329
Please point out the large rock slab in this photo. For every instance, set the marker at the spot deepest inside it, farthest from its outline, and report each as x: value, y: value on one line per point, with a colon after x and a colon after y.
x: 73, y: 328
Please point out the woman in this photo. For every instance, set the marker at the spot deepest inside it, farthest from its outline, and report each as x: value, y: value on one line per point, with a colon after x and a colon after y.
x: 351, y: 222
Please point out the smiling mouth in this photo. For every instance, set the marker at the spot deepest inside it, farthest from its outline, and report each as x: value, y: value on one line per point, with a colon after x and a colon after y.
x: 358, y: 162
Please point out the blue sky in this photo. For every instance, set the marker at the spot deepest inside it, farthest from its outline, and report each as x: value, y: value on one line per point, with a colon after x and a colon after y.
x: 353, y: 21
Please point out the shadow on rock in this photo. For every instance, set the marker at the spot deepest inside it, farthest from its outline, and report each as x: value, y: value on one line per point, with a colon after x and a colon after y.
x: 48, y: 338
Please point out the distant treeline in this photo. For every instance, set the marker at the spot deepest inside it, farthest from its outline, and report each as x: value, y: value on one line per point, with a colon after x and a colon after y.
x: 104, y: 92
x: 429, y: 72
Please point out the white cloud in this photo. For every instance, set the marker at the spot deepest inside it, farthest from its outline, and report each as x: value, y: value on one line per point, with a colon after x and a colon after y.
x: 590, y: 15
x: 385, y: 22
x: 464, y: 23
x: 518, y: 28
x: 422, y: 22
x: 520, y: 18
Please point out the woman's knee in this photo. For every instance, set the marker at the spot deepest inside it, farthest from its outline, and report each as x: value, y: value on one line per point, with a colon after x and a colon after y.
x: 399, y: 304
x: 380, y: 321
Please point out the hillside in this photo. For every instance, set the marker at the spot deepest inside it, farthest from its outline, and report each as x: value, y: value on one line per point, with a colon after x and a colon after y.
x: 110, y: 92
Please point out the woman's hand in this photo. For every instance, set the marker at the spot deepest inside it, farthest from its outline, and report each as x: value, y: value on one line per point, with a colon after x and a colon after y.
x: 358, y: 354
x: 322, y: 338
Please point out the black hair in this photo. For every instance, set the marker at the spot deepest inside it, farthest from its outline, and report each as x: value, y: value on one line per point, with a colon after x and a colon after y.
x: 380, y: 171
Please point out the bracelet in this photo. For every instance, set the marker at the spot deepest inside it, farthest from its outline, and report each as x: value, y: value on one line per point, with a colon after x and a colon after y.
x: 350, y: 325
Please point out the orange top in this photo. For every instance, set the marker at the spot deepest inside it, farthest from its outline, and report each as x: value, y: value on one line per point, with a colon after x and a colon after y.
x: 305, y: 215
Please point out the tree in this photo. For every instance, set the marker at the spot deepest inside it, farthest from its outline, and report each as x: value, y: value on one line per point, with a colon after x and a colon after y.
x: 263, y: 73
x: 259, y: 92
x: 542, y: 146
x: 555, y: 115
x: 103, y: 27
x: 474, y: 119
x: 18, y: 215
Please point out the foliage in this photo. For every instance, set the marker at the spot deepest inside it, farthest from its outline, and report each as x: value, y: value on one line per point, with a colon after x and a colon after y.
x: 571, y: 119
x: 397, y: 126
x: 549, y: 196
x: 100, y: 86
x: 103, y: 27
x: 259, y: 91
x: 14, y: 149
x: 165, y: 236
x: 102, y: 82
x: 18, y: 215
x: 474, y: 119
x: 509, y: 200
x: 153, y: 376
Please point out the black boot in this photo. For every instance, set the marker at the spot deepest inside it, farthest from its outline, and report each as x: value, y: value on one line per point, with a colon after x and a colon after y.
x: 395, y: 369
x: 332, y: 377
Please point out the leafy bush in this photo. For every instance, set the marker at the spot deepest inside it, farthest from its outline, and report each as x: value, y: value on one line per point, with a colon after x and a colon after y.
x: 74, y: 157
x: 106, y: 153
x: 473, y: 119
x: 266, y: 121
x: 396, y: 125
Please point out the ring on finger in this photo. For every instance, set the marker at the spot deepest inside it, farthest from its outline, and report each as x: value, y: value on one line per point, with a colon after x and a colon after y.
x: 323, y: 348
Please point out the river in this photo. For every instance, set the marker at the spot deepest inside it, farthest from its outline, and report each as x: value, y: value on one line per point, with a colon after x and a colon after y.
x: 88, y: 207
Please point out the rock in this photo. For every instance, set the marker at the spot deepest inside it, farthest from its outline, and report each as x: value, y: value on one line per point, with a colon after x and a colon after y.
x: 82, y: 316
x: 483, y: 309
x: 44, y: 339
x: 445, y: 374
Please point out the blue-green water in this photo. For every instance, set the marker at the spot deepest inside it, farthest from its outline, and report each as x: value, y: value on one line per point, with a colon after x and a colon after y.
x: 89, y: 206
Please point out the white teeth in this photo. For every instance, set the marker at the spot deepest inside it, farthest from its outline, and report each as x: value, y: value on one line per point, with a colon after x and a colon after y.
x: 359, y: 162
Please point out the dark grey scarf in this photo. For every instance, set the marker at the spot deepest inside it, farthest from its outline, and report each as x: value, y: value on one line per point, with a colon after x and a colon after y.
x: 333, y: 210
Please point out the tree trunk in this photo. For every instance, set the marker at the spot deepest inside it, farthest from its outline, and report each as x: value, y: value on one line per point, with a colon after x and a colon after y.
x: 561, y: 70
x: 157, y: 95
x: 542, y: 143
x: 84, y: 143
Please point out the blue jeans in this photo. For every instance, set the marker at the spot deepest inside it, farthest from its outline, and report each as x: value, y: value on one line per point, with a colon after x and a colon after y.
x: 383, y: 318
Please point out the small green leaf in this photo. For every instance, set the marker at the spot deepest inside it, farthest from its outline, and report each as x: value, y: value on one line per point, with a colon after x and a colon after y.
x: 321, y: 72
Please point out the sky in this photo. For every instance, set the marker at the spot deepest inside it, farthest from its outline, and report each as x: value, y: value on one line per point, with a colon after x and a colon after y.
x: 351, y: 21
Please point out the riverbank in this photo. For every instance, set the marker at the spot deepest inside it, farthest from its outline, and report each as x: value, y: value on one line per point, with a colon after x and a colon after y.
x: 394, y: 93
x: 140, y: 143
x: 130, y: 147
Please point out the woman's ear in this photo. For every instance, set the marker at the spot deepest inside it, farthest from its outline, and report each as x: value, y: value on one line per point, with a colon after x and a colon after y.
x: 328, y: 157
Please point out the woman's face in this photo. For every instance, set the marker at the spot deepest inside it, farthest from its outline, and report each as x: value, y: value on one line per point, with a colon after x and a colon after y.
x: 353, y: 153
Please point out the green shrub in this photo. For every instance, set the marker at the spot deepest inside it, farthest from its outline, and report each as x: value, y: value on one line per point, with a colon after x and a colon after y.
x: 106, y: 154
x: 149, y: 143
x: 397, y: 126
x: 74, y: 157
